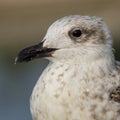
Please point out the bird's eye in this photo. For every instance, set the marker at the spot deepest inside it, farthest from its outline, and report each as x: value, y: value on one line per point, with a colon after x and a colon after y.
x: 75, y: 33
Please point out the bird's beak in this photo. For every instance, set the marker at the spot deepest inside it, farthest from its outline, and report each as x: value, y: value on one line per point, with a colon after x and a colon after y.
x: 35, y: 51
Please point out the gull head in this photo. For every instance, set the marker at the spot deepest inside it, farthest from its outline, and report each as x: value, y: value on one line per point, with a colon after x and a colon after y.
x: 72, y: 37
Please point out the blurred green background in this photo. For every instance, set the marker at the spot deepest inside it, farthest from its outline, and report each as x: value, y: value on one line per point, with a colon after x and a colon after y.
x: 23, y: 23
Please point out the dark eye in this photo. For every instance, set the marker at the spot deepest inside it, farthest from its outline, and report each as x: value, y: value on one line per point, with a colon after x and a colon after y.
x: 75, y: 33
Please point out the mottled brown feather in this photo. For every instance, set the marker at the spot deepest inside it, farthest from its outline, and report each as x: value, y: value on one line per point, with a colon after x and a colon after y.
x: 115, y: 95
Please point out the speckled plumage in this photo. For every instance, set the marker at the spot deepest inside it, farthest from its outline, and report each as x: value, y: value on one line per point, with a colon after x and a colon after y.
x: 79, y: 81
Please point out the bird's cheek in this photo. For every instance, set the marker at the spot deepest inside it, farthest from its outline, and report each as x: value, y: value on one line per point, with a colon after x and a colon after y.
x: 60, y: 54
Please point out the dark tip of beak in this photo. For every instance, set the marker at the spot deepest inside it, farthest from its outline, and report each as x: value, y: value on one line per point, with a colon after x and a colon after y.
x: 32, y: 52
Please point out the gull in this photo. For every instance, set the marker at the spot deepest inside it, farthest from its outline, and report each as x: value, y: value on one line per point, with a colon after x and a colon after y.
x: 82, y: 80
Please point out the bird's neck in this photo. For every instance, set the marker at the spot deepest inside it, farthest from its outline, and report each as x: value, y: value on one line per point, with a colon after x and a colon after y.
x: 99, y: 67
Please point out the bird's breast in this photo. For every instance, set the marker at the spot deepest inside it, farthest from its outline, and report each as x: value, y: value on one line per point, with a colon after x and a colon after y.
x: 65, y: 92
